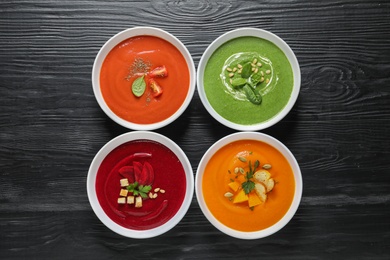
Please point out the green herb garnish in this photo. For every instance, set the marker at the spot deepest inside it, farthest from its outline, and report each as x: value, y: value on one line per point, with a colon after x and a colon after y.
x: 246, y: 70
x: 139, y: 86
x: 141, y: 190
x: 252, y: 95
x: 249, y: 185
x: 238, y: 82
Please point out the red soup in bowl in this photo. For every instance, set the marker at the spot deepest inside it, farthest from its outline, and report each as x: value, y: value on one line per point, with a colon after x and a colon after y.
x: 141, y: 185
x: 143, y: 78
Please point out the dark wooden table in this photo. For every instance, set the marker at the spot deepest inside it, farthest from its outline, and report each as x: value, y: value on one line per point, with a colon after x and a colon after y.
x: 51, y: 127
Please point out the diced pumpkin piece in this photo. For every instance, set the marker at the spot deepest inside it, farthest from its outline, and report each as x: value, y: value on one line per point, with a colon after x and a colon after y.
x: 254, y: 200
x: 262, y: 176
x: 261, y: 191
x: 240, y: 197
x: 234, y: 185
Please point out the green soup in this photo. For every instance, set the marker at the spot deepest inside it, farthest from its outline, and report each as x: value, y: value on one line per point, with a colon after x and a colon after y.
x: 248, y: 80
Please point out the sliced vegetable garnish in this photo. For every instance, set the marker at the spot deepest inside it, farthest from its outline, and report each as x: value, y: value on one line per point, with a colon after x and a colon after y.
x: 251, y: 185
x: 137, y: 181
x: 158, y: 72
x: 137, y: 172
x: 128, y: 173
x: 156, y: 88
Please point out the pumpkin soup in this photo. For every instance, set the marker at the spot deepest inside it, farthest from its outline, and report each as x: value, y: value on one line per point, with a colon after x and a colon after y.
x: 248, y: 185
x: 144, y: 79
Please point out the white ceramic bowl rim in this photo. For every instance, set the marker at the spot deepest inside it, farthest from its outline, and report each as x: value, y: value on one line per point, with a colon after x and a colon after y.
x: 111, y: 145
x: 241, y: 32
x: 283, y: 150
x: 126, y: 34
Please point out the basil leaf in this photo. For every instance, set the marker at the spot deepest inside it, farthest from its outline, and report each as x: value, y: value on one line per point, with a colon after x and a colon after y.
x: 252, y: 96
x: 256, y: 79
x: 138, y: 86
x: 246, y: 70
x: 238, y: 82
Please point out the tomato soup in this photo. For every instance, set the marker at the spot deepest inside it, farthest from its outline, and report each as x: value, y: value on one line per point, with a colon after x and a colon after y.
x: 138, y: 58
x: 229, y: 175
x: 158, y: 173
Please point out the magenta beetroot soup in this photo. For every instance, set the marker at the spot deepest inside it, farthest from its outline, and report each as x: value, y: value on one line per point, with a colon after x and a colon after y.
x: 141, y: 184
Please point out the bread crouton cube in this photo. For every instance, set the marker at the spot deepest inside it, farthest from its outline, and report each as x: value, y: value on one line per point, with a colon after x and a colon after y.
x: 124, y: 182
x: 121, y: 200
x: 130, y: 200
x: 138, y: 202
x: 123, y: 193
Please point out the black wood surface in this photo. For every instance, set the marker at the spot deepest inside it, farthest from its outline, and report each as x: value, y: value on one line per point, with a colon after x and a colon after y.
x: 51, y: 127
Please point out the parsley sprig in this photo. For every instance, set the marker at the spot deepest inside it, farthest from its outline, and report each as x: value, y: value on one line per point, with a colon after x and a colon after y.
x: 141, y: 190
x: 249, y: 185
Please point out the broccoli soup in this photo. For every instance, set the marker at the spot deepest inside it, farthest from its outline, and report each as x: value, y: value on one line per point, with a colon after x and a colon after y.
x: 248, y: 80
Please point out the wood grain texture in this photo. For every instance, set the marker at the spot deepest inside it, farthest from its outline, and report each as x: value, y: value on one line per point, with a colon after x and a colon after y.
x: 51, y: 127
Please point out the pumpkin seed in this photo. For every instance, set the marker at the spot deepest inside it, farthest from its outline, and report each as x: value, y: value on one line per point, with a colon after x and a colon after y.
x: 242, y: 159
x: 267, y: 166
x: 228, y: 195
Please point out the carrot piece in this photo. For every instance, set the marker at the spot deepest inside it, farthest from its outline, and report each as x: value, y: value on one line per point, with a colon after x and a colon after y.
x: 240, y: 197
x: 254, y: 200
x: 234, y: 185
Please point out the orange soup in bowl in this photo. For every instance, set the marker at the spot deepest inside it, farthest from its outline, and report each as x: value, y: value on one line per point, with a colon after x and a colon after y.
x: 144, y: 79
x: 248, y: 185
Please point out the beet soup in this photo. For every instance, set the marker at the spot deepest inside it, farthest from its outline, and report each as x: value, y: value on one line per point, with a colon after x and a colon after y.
x: 141, y: 184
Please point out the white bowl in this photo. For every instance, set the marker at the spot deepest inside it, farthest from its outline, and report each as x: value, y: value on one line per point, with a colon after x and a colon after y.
x: 129, y: 33
x: 272, y: 142
x: 110, y: 146
x: 263, y: 35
